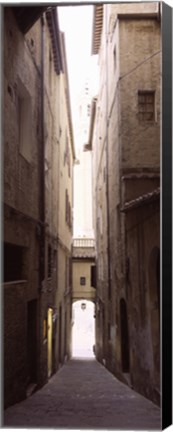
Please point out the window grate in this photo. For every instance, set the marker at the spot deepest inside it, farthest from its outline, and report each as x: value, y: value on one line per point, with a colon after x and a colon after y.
x: 146, y: 105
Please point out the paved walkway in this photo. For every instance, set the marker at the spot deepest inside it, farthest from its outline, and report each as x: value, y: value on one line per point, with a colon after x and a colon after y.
x: 84, y: 395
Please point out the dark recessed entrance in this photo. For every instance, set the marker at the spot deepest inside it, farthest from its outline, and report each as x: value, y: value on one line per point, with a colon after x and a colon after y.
x: 124, y: 337
x: 32, y: 341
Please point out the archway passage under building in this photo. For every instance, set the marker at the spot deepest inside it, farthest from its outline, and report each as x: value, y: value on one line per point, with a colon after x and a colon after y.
x: 83, y: 330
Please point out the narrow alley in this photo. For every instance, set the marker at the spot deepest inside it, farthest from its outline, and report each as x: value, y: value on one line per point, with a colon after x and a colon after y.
x: 83, y: 394
x: 81, y: 215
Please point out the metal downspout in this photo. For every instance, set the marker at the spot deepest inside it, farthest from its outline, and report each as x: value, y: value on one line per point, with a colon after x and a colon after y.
x: 41, y: 378
x: 107, y: 164
x: 42, y: 159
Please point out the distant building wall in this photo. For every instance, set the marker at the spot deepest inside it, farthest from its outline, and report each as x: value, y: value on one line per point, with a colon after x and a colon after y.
x: 82, y: 288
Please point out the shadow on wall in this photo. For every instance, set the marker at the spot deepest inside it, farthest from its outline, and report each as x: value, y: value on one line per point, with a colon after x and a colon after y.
x: 83, y: 330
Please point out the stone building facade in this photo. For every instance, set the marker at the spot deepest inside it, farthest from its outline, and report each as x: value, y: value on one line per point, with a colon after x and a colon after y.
x: 38, y: 156
x: 125, y: 141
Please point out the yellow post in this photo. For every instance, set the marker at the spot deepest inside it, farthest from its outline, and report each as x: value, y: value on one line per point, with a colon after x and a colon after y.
x: 49, y: 340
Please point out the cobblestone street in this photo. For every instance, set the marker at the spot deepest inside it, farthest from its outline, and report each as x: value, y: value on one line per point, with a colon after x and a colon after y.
x: 83, y: 394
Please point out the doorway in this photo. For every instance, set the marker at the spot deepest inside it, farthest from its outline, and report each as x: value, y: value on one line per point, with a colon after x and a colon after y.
x: 65, y: 334
x: 60, y: 331
x: 32, y: 341
x: 154, y: 296
x: 83, y: 330
x: 124, y: 337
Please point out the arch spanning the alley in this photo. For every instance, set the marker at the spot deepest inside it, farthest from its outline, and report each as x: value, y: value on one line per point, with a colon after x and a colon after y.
x: 154, y: 306
x: 83, y: 329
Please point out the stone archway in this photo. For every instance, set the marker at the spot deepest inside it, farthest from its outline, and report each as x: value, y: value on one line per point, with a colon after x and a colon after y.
x: 154, y: 307
x: 83, y: 329
x: 124, y: 337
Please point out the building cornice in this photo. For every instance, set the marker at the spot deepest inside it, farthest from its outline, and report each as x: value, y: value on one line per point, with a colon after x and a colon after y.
x: 26, y: 16
x: 53, y: 25
x: 137, y: 16
x: 141, y: 200
x: 97, y: 28
x: 67, y: 93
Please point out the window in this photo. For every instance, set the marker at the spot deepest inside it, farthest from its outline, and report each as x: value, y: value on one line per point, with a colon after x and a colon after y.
x: 55, y: 266
x: 69, y: 166
x: 109, y: 331
x: 49, y: 261
x: 50, y: 69
x: 88, y: 110
x: 93, y: 276
x: 82, y: 280
x: 14, y: 265
x: 68, y: 210
x: 146, y: 105
x: 115, y: 57
x: 66, y: 272
x: 70, y: 272
x: 66, y: 205
x: 67, y: 155
x: 25, y: 122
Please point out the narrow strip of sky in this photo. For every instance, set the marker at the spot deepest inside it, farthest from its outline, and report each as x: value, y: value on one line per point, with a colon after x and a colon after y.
x: 76, y: 23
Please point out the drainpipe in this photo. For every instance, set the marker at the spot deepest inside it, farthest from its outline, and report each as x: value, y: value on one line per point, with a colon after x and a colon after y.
x: 41, y: 378
x: 42, y: 159
x: 107, y: 165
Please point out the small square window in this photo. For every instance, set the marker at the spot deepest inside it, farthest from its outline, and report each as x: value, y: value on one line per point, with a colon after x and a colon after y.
x: 24, y: 110
x: 146, y: 105
x: 82, y: 281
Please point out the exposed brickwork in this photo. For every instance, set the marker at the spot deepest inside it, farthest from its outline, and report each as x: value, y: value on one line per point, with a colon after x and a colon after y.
x: 129, y: 151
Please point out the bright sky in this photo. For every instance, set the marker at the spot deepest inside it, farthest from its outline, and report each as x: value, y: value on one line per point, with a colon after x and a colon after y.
x: 76, y: 22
